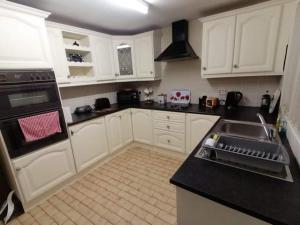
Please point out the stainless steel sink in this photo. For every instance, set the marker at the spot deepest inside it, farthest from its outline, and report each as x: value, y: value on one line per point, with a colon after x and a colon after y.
x: 243, y: 129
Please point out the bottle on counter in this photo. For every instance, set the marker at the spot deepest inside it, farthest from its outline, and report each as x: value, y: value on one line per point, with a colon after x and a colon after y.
x: 266, y: 101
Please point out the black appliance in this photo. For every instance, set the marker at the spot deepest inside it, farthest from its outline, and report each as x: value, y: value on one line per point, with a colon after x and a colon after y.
x: 23, y: 94
x: 128, y: 97
x: 232, y: 100
x: 83, y: 109
x: 102, y: 103
x: 180, y: 48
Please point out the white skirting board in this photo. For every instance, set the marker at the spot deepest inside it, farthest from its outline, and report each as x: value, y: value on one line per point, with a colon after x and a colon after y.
x: 294, y: 140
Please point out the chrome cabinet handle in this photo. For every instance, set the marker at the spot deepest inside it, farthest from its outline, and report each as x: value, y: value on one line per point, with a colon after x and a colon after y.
x: 168, y: 126
x: 116, y: 74
x: 151, y: 72
x: 236, y: 66
x: 72, y: 133
x: 169, y: 141
x: 18, y: 169
x: 204, y: 68
x: 168, y: 117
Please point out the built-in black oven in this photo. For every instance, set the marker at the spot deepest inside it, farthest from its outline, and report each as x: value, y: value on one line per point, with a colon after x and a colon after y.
x: 25, y: 94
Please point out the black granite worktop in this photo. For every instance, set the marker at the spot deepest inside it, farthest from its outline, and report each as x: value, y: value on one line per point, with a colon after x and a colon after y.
x: 269, y: 199
x: 242, y: 113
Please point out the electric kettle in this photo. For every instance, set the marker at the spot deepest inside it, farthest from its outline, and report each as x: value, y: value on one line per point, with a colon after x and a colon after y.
x: 232, y: 100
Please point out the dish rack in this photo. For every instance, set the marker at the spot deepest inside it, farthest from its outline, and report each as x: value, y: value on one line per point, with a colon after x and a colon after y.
x: 251, y: 153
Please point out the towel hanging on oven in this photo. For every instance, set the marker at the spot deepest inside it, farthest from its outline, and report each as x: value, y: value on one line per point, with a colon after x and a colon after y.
x: 40, y: 126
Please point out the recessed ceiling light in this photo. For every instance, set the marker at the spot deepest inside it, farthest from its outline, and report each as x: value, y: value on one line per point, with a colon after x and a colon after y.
x: 137, y: 5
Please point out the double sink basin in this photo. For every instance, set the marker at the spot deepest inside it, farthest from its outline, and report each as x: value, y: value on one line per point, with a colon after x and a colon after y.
x: 246, y: 145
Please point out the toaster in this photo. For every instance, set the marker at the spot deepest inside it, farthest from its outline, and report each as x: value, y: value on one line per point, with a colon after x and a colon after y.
x: 102, y: 103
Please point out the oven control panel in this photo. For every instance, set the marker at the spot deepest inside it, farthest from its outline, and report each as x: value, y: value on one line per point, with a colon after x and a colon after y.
x: 26, y: 76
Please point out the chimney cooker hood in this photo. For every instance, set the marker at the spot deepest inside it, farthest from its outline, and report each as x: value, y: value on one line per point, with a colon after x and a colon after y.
x: 180, y: 48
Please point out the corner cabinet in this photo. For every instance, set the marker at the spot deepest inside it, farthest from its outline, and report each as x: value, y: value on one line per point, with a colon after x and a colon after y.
x: 24, y: 43
x: 114, y: 131
x: 40, y: 171
x: 197, y: 127
x: 251, y: 41
x: 142, y: 125
x: 124, y: 61
x: 146, y: 46
x: 89, y: 142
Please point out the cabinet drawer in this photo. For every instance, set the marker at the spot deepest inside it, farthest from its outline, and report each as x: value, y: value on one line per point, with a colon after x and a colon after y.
x: 169, y: 116
x: 169, y: 126
x: 169, y: 140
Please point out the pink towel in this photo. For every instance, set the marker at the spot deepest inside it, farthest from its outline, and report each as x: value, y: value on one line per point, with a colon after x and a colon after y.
x: 40, y: 126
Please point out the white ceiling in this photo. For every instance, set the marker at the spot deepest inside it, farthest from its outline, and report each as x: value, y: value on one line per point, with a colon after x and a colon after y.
x: 101, y: 15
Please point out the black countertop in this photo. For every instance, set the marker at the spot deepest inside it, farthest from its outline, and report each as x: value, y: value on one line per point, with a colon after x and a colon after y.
x: 272, y: 200
x: 242, y: 113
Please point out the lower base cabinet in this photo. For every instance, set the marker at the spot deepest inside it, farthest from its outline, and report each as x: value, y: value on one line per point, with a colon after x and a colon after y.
x: 40, y: 171
x: 170, y: 140
x: 142, y: 125
x: 89, y: 142
x: 197, y: 127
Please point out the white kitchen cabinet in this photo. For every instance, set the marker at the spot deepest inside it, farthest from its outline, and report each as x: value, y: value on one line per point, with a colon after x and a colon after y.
x: 250, y: 41
x: 197, y: 127
x: 256, y: 40
x: 114, y: 131
x: 89, y: 142
x: 103, y: 58
x: 41, y: 170
x: 126, y: 123
x: 24, y: 43
x: 144, y: 55
x: 58, y: 54
x: 218, y: 45
x: 124, y: 60
x: 142, y: 125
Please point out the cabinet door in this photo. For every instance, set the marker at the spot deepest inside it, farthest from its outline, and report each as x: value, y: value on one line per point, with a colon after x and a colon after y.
x: 24, y: 42
x: 114, y: 131
x: 103, y: 58
x: 142, y: 125
x: 256, y: 40
x: 126, y: 126
x: 58, y: 54
x: 124, y: 59
x: 144, y: 57
x: 218, y: 44
x: 197, y: 127
x: 40, y: 171
x: 89, y: 142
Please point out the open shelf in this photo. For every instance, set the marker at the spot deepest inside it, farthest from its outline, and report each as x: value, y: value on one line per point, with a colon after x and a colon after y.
x: 80, y: 64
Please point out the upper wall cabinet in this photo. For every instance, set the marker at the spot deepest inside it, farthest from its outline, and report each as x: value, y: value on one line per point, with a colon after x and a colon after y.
x: 218, y: 39
x: 124, y: 58
x: 256, y: 39
x: 24, y: 43
x: 103, y: 58
x: 58, y: 54
x: 145, y: 45
x: 247, y: 42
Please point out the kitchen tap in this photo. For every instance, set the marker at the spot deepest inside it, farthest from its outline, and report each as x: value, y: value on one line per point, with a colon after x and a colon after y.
x: 269, y: 132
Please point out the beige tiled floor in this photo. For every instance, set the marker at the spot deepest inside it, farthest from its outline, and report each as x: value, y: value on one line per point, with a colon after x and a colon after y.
x: 132, y: 188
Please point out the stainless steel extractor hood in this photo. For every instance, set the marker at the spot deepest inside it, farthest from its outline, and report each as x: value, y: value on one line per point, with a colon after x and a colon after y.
x: 180, y: 48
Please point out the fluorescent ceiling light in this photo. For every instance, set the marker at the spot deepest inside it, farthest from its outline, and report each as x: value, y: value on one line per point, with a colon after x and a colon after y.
x: 137, y: 5
x: 123, y: 46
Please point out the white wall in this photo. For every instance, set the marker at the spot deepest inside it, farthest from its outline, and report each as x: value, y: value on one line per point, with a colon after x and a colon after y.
x: 86, y: 95
x: 181, y: 74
